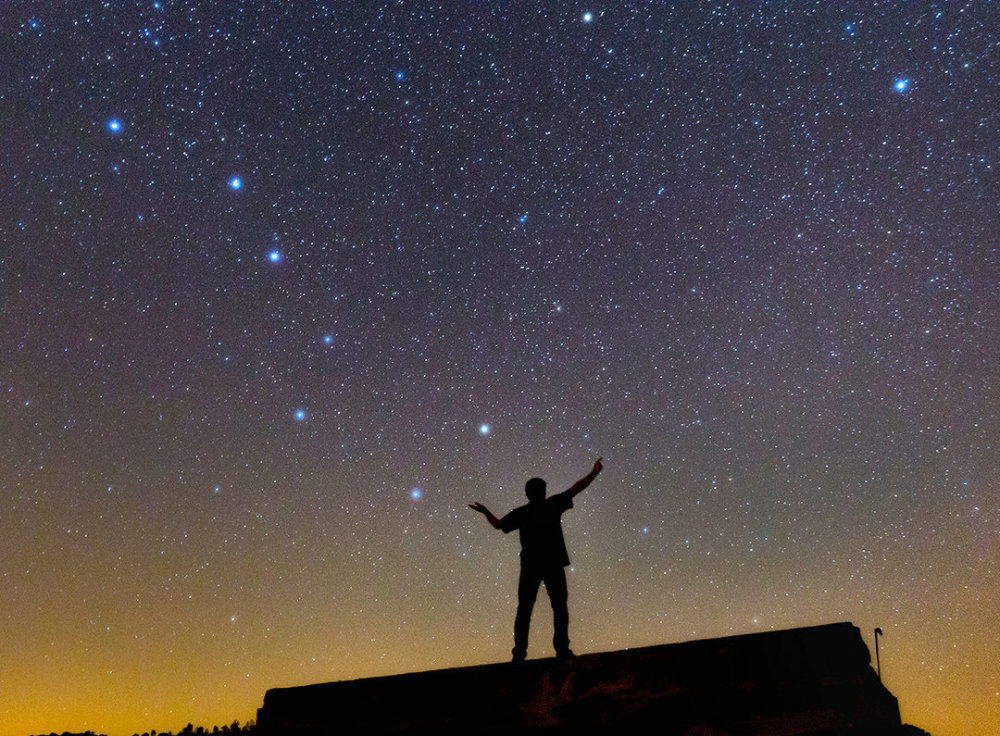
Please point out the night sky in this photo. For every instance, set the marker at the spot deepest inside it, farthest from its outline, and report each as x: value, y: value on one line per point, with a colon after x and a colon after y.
x: 285, y: 286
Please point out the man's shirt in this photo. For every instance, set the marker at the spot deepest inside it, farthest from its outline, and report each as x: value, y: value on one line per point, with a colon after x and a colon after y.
x: 540, y: 529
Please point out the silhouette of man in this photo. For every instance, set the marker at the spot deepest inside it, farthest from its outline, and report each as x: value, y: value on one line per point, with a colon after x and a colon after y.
x: 543, y: 557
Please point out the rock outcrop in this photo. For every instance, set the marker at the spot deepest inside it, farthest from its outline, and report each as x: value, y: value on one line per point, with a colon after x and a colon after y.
x: 814, y: 681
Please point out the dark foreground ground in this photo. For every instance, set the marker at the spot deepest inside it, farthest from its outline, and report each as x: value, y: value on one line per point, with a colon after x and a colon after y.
x: 815, y: 681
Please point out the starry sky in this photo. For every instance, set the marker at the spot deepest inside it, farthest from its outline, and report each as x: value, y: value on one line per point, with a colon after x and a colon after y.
x: 284, y: 286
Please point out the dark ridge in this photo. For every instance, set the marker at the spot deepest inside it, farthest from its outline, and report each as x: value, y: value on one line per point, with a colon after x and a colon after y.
x: 814, y: 681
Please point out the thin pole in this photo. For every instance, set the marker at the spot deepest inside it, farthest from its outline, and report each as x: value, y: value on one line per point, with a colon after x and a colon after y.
x: 878, y: 664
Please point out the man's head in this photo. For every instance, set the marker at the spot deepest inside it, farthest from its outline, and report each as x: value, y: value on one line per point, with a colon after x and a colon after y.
x: 535, y: 489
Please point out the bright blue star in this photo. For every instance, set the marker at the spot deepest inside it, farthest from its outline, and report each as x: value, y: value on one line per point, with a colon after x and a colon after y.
x: 399, y: 76
x: 902, y: 85
x: 236, y: 183
x: 300, y: 415
x: 587, y: 17
x: 415, y: 494
x: 522, y: 219
x: 484, y: 429
x: 274, y: 256
x: 328, y: 339
x: 115, y: 125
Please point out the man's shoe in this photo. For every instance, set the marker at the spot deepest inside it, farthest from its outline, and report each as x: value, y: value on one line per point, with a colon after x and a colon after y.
x: 565, y: 654
x: 518, y: 657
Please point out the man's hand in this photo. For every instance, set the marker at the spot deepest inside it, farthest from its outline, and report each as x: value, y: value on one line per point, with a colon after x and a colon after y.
x: 585, y: 480
x: 494, y: 521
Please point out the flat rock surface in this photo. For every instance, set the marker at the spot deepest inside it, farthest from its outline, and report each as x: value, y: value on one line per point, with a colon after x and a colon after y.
x: 797, y: 682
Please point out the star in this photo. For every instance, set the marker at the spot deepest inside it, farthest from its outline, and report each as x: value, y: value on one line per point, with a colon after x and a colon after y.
x: 399, y: 76
x: 484, y: 429
x: 902, y: 85
x: 415, y: 494
x: 115, y: 125
x: 236, y: 183
x: 300, y: 415
x: 328, y: 339
x: 274, y: 256
x: 588, y: 17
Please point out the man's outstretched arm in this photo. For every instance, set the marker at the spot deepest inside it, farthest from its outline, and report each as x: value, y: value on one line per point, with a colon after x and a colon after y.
x: 485, y: 512
x: 585, y: 480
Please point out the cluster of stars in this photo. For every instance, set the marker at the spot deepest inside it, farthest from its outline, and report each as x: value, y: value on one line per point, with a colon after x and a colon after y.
x: 300, y: 284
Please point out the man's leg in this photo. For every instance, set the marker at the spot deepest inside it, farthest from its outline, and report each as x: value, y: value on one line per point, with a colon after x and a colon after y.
x: 527, y: 591
x: 555, y: 585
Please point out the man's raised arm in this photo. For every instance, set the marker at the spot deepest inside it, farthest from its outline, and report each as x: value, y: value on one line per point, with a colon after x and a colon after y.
x: 585, y: 480
x: 485, y: 512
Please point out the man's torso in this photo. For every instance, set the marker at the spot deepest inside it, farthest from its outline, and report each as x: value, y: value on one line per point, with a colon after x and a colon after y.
x: 540, y: 530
